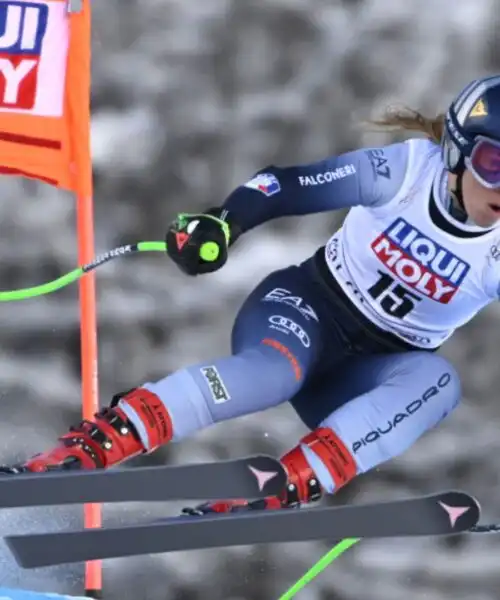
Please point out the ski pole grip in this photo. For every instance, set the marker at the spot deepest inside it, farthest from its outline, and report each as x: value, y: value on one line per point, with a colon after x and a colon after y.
x: 210, y: 251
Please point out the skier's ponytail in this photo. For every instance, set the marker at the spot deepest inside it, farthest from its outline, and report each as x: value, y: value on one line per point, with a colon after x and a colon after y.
x: 406, y: 119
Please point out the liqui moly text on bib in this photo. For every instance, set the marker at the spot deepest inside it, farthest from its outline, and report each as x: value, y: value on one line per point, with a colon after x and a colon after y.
x: 420, y: 262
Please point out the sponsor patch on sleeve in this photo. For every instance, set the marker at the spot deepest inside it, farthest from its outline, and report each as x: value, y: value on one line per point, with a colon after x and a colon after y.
x: 265, y: 183
x: 216, y: 385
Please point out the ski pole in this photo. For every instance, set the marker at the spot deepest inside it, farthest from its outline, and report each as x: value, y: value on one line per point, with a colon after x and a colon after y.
x: 344, y: 545
x: 209, y: 252
x: 491, y: 528
x: 318, y: 567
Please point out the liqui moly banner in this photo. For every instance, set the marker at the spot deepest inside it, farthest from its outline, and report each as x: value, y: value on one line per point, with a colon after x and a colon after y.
x: 33, y: 51
x: 44, y: 89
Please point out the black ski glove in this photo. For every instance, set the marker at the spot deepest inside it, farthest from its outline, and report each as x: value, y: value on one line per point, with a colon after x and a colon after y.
x: 198, y: 243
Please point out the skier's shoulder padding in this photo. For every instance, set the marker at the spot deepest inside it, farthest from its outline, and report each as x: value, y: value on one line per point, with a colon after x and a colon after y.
x: 396, y: 168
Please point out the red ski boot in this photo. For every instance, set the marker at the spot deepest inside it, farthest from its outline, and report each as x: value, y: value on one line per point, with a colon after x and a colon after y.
x: 110, y: 438
x: 303, y: 485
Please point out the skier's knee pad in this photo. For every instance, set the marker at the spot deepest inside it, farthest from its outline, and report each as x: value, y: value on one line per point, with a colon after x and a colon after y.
x: 417, y: 391
x: 432, y: 377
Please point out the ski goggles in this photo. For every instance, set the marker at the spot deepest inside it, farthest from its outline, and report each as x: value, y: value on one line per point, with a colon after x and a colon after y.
x: 484, y: 162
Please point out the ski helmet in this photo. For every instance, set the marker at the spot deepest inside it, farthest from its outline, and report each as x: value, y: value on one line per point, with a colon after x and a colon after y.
x: 471, y: 136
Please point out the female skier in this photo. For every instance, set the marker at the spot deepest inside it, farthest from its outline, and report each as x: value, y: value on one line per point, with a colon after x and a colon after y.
x: 349, y: 336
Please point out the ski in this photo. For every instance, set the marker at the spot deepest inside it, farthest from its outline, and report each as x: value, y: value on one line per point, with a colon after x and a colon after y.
x: 438, y: 514
x: 252, y: 477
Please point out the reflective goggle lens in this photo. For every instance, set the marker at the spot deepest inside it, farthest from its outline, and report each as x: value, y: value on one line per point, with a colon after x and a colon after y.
x: 484, y: 162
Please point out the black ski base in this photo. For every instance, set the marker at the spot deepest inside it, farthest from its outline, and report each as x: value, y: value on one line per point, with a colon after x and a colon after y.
x: 252, y: 477
x: 438, y: 514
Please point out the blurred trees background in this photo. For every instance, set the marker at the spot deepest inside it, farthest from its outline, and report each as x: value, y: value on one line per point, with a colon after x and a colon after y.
x: 191, y: 97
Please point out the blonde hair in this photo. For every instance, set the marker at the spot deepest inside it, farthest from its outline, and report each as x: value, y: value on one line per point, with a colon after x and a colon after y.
x: 403, y: 119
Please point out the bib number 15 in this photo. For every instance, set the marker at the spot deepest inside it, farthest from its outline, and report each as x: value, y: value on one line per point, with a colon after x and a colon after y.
x: 394, y: 299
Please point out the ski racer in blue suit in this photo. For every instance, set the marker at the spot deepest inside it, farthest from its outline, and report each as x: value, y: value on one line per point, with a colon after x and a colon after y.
x: 349, y: 336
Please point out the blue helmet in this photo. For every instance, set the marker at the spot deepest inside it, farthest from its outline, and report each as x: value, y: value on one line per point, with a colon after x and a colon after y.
x: 473, y: 115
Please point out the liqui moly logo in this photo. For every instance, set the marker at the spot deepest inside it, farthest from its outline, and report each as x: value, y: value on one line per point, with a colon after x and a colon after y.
x: 22, y: 29
x: 419, y: 262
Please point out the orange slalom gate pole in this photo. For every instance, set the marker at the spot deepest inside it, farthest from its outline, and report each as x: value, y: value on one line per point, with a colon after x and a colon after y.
x: 78, y: 64
x: 88, y: 344
x: 90, y: 399
x: 45, y: 135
